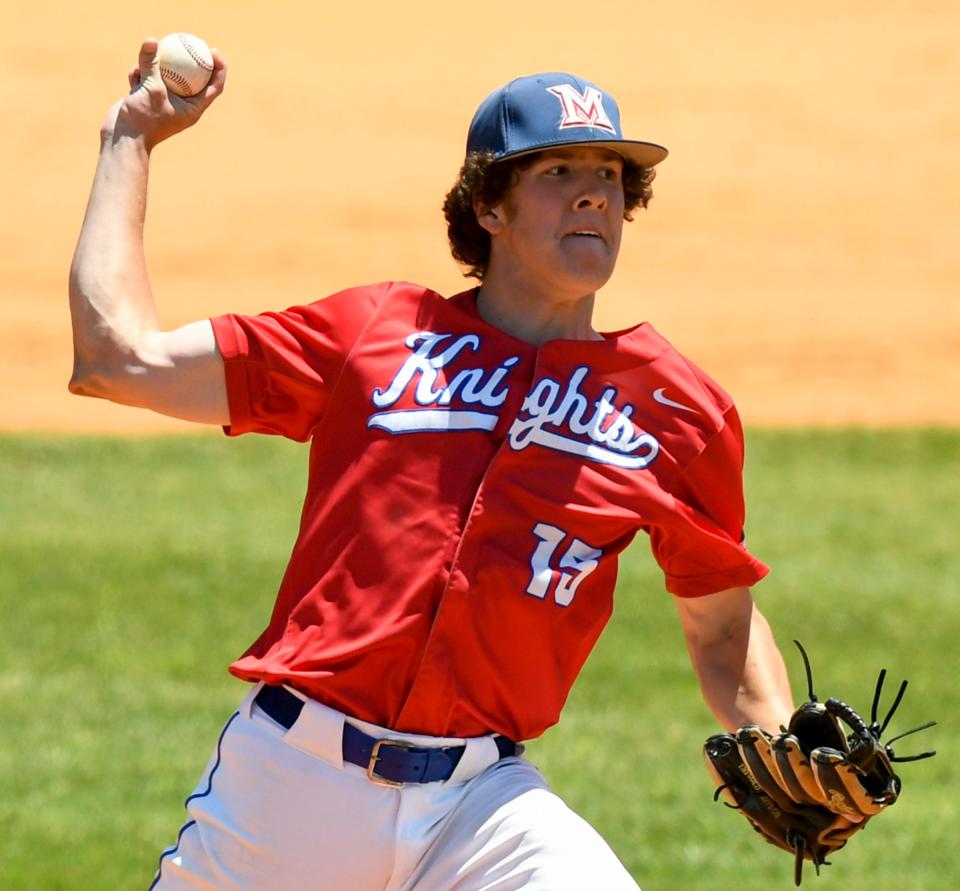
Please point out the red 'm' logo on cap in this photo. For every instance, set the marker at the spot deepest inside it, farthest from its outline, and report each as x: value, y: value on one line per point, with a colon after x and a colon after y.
x: 581, y: 109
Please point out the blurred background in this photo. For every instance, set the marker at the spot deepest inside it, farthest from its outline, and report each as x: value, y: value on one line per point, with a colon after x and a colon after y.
x: 801, y: 244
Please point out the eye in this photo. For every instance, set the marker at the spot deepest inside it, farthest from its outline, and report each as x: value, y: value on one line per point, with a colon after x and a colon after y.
x: 611, y: 174
x: 557, y: 170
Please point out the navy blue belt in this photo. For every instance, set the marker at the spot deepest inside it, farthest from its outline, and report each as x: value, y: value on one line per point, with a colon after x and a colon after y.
x: 391, y: 762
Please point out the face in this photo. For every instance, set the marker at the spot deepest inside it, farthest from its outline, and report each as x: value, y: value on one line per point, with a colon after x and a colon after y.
x: 559, y: 226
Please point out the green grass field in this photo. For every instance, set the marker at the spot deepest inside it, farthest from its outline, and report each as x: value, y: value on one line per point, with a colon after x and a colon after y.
x: 133, y: 571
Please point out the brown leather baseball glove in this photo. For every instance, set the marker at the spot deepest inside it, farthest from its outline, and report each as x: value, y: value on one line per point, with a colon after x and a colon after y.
x: 813, y: 786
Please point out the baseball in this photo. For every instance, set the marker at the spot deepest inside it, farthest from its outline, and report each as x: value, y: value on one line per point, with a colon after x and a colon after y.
x: 185, y: 63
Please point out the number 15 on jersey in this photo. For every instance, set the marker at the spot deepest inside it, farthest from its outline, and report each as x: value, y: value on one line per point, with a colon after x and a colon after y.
x: 563, y: 569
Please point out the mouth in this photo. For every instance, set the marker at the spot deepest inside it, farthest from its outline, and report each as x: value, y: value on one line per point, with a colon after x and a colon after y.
x: 586, y: 233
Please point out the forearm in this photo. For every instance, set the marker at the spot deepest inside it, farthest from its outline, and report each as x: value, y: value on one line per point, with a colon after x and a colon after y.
x: 115, y: 330
x: 743, y: 678
x: 738, y: 664
x: 111, y: 300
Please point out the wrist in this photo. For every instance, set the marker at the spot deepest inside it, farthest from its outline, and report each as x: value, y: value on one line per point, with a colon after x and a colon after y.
x: 122, y: 140
x: 122, y: 131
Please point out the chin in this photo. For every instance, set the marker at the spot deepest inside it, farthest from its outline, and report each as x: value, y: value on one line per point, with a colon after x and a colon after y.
x: 589, y: 276
x: 588, y: 283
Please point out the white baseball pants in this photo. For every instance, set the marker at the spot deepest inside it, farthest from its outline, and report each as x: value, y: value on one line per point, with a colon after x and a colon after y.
x: 279, y: 810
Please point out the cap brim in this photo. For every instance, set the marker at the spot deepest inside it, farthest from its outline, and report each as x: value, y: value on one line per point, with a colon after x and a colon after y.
x: 645, y: 154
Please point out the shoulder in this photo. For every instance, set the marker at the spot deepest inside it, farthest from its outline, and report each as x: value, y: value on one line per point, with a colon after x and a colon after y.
x: 349, y: 311
x: 368, y: 299
x: 677, y: 385
x: 401, y: 303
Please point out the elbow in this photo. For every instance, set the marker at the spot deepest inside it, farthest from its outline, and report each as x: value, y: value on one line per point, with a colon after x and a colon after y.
x: 86, y: 380
x: 102, y: 350
x: 103, y: 372
x: 81, y: 386
x: 77, y: 387
x: 103, y: 360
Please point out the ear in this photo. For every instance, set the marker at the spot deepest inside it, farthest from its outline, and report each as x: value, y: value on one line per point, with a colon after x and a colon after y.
x: 490, y: 217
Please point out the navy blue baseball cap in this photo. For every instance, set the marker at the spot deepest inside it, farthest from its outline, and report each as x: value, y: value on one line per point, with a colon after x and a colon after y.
x: 542, y: 111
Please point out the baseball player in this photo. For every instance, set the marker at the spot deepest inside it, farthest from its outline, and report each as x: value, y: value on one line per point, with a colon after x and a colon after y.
x: 477, y: 466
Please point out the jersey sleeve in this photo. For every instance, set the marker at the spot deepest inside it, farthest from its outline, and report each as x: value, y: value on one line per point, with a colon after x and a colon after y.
x: 701, y: 546
x: 280, y: 367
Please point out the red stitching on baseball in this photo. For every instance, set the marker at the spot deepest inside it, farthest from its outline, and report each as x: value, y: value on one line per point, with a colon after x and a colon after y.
x: 192, y: 51
x: 175, y: 76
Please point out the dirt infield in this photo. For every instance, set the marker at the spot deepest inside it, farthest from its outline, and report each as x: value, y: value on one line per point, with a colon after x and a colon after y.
x: 802, y: 244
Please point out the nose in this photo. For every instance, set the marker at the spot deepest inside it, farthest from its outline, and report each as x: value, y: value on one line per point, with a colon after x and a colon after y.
x: 586, y: 202
x: 590, y: 195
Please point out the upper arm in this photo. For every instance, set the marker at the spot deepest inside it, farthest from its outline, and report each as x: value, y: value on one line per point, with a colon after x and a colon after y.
x: 699, y: 543
x: 179, y: 373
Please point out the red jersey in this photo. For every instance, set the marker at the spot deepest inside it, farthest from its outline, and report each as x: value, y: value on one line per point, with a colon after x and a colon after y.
x: 468, y: 498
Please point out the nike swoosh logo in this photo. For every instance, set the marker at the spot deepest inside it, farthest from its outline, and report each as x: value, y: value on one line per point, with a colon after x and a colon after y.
x: 664, y: 400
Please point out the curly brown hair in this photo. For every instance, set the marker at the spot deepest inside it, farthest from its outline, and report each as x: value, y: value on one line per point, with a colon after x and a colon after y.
x: 484, y: 179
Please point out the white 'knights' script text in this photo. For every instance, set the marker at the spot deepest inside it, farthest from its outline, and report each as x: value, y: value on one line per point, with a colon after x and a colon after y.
x: 553, y: 416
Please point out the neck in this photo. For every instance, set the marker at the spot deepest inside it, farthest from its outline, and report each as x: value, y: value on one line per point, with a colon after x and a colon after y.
x: 536, y: 317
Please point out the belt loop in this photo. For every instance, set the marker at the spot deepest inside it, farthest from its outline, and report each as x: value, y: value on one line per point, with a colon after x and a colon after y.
x: 246, y: 705
x: 480, y: 752
x: 318, y: 731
